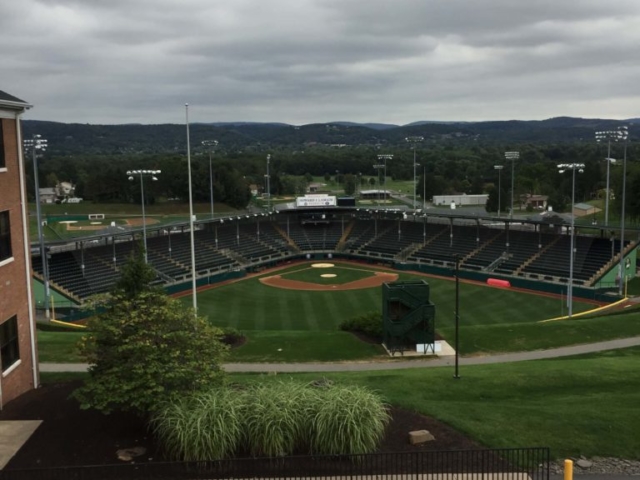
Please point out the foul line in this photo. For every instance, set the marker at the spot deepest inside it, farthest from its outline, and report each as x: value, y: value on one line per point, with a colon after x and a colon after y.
x: 588, y: 312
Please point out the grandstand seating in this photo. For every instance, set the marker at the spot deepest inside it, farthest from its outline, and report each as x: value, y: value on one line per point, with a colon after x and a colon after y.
x: 222, y: 246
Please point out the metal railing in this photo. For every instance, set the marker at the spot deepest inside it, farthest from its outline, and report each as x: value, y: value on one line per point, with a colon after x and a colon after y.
x: 502, y: 464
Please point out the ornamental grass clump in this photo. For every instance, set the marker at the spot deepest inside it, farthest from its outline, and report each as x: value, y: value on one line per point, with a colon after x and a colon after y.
x: 347, y: 420
x: 275, y: 418
x: 203, y: 426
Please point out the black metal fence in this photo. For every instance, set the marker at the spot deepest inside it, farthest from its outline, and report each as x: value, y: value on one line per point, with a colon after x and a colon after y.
x: 503, y: 464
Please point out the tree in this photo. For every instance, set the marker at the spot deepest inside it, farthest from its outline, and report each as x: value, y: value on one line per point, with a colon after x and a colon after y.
x: 135, y: 275
x: 349, y: 184
x: 145, y: 348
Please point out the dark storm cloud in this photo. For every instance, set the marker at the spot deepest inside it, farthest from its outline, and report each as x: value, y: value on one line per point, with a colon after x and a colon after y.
x: 313, y: 61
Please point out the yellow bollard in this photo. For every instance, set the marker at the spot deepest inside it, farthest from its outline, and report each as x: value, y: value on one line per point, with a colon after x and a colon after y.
x: 568, y: 470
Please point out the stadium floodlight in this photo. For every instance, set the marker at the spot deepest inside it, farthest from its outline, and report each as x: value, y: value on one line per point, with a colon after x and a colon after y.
x: 579, y: 167
x: 211, y: 145
x: 384, y: 157
x: 610, y: 136
x: 378, y: 167
x: 268, y: 178
x: 37, y: 145
x: 142, y: 174
x: 191, y: 226
x: 623, y: 274
x: 499, y: 169
x: 513, y: 156
x: 414, y: 141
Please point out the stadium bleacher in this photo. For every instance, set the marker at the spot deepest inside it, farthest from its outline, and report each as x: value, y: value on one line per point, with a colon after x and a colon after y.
x: 221, y: 246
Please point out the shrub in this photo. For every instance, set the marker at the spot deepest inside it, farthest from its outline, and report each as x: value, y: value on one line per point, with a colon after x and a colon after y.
x: 276, y: 420
x: 347, y: 420
x: 205, y: 426
x: 369, y: 324
x: 231, y: 336
x: 273, y: 419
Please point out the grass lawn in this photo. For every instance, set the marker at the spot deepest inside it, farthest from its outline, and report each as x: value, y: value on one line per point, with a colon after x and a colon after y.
x: 583, y: 405
x: 576, y: 405
x: 305, y: 324
x: 250, y: 305
x: 303, y: 346
x: 58, y: 346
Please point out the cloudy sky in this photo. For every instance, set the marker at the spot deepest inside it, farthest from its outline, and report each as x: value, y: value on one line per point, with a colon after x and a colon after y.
x: 309, y: 61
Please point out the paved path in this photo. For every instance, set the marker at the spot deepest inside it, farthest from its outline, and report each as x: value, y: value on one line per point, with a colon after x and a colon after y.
x: 395, y: 364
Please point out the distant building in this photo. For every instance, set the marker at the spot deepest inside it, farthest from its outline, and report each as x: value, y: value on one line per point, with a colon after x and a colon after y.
x: 582, y: 209
x: 18, y: 357
x: 48, y: 195
x: 537, y: 202
x: 460, y: 199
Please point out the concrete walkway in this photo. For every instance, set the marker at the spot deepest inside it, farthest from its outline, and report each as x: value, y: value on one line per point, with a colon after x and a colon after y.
x: 395, y: 363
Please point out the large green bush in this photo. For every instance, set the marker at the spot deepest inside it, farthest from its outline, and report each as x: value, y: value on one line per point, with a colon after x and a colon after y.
x: 369, y: 324
x: 146, y: 346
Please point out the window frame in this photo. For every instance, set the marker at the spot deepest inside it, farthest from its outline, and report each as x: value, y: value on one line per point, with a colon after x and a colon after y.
x: 9, y: 344
x: 3, y: 153
x: 5, y: 236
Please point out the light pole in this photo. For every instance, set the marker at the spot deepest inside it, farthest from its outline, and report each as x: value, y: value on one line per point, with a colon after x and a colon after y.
x: 384, y: 158
x: 191, y: 226
x: 268, y: 184
x: 499, y: 168
x: 563, y: 168
x: 623, y: 274
x: 38, y: 145
x: 513, y: 156
x: 378, y: 167
x: 142, y: 174
x: 456, y: 258
x: 414, y: 141
x: 424, y: 188
x: 609, y: 135
x: 211, y: 144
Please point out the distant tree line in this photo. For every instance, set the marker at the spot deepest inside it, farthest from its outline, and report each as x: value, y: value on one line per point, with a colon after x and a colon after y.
x: 443, y: 169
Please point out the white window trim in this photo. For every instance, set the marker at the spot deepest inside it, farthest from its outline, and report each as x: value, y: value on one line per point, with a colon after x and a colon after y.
x: 3, y: 169
x: 15, y: 365
x: 6, y: 261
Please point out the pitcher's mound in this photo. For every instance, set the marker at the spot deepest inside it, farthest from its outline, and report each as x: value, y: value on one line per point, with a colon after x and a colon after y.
x: 328, y: 275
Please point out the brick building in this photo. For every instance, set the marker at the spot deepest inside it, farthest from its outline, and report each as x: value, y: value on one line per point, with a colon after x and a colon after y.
x: 18, y: 355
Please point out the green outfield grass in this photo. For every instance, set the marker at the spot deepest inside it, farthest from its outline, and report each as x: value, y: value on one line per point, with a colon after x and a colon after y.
x: 305, y: 324
x: 491, y: 319
x: 250, y: 305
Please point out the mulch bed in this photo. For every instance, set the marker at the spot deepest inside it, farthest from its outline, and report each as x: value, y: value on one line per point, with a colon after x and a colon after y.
x: 69, y: 436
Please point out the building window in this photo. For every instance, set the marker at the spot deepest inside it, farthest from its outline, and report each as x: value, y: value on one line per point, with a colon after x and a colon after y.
x: 9, y: 342
x: 3, y: 163
x: 5, y: 236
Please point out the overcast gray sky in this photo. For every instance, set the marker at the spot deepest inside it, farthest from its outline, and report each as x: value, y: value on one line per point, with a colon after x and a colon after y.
x: 312, y: 61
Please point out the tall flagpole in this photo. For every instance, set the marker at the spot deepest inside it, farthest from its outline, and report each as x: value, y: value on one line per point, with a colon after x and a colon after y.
x: 192, y: 233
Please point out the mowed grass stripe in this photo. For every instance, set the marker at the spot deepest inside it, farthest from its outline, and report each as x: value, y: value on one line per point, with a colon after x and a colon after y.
x: 236, y: 304
x: 284, y: 312
x: 308, y: 320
